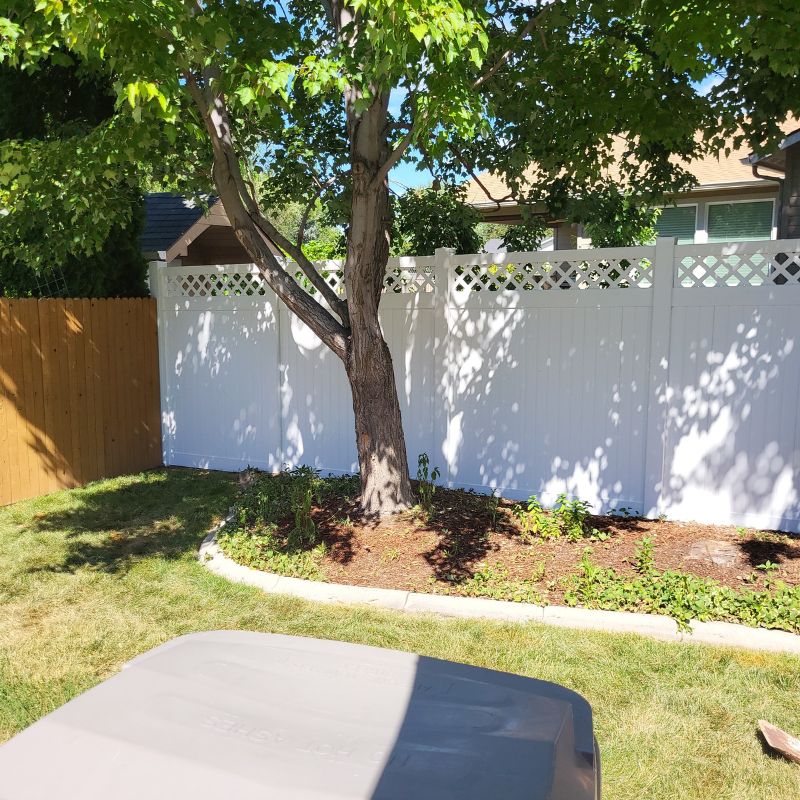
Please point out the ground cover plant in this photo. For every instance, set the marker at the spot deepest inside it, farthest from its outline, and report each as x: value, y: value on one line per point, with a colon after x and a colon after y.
x: 91, y: 577
x: 301, y: 524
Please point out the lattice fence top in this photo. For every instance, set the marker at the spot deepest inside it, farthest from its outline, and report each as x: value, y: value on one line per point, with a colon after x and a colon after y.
x: 200, y: 282
x: 760, y: 267
x: 696, y: 266
x: 632, y: 270
x: 403, y: 276
x: 409, y: 275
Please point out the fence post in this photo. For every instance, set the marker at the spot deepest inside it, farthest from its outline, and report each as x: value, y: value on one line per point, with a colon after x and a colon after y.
x: 155, y: 277
x: 442, y: 400
x: 657, y: 402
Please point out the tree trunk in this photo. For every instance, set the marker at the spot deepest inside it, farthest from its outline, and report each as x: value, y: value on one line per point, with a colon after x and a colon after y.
x: 385, y: 482
x: 358, y: 339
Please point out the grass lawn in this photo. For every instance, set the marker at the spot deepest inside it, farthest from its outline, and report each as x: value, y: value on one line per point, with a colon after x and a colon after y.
x: 91, y: 577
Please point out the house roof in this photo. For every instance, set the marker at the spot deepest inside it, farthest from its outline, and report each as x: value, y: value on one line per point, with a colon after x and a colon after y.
x: 713, y: 171
x: 775, y: 161
x: 167, y: 218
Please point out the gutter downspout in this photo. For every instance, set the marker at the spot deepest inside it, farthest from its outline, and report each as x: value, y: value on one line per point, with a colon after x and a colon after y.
x: 780, y: 182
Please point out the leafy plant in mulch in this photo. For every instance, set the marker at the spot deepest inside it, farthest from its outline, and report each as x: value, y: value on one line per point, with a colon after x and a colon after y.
x: 568, y: 518
x: 680, y: 595
x: 426, y: 482
x: 273, y: 528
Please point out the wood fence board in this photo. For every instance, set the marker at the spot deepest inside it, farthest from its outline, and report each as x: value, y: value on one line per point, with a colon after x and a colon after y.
x: 26, y: 321
x: 49, y: 372
x: 16, y: 390
x: 6, y: 437
x: 64, y: 417
x: 79, y: 392
x: 153, y: 388
x: 74, y: 400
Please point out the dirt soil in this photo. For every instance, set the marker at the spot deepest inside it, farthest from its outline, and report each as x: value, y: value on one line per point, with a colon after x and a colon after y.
x: 434, y: 554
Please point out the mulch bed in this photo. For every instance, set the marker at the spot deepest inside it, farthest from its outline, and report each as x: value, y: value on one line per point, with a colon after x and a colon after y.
x: 414, y: 552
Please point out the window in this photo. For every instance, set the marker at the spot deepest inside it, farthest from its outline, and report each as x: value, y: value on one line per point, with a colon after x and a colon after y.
x: 678, y: 221
x: 740, y: 222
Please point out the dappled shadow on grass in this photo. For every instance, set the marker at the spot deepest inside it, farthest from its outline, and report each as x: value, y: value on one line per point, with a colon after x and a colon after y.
x: 115, y: 523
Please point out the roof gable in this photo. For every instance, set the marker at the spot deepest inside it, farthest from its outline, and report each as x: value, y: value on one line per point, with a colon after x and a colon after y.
x: 167, y: 218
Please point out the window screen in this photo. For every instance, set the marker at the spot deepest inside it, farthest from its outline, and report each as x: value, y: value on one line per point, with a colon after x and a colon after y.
x: 740, y: 222
x: 677, y: 221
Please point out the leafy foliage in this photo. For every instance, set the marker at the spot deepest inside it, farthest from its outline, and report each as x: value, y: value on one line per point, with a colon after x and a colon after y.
x: 506, y: 85
x: 260, y: 534
x: 681, y: 595
x: 426, y: 482
x: 266, y: 551
x: 494, y: 581
x: 425, y: 219
x: 526, y: 236
x: 617, y: 219
x: 323, y: 239
x: 568, y: 518
x: 61, y: 102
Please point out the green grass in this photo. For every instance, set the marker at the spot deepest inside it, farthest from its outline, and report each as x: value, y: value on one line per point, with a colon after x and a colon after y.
x: 91, y: 577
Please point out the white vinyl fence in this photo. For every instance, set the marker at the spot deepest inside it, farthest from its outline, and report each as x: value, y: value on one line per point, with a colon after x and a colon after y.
x: 664, y: 379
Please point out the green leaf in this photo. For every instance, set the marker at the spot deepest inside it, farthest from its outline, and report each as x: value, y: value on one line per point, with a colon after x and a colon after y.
x: 419, y: 31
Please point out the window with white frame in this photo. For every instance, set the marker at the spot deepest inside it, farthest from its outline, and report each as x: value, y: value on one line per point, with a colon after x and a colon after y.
x: 678, y: 221
x: 740, y: 221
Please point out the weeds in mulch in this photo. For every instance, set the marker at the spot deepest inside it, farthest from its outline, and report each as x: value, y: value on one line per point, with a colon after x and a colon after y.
x: 681, y: 595
x: 300, y: 524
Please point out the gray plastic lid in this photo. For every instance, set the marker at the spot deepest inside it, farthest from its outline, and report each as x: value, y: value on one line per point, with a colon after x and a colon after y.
x: 232, y: 714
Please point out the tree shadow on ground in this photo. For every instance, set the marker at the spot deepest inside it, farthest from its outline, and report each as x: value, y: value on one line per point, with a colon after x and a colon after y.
x: 112, y: 525
x: 463, y: 521
x: 759, y: 551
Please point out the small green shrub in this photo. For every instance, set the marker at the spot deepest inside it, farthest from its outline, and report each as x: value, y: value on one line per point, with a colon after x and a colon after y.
x: 567, y: 518
x: 571, y: 516
x: 426, y: 478
x: 268, y: 501
x: 304, y: 490
x: 493, y: 506
x: 682, y: 596
x: 535, y: 521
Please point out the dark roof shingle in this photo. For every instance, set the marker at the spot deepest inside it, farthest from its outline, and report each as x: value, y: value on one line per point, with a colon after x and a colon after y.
x: 168, y: 217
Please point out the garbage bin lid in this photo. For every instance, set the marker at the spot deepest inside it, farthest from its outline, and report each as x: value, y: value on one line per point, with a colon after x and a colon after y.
x: 232, y: 714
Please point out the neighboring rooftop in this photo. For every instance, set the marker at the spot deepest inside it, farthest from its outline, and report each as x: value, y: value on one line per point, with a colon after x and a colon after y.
x: 713, y: 171
x: 167, y: 218
x: 775, y: 161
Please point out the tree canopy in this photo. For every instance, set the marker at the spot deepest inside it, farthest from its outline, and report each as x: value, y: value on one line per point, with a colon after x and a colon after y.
x: 482, y: 85
x: 63, y: 101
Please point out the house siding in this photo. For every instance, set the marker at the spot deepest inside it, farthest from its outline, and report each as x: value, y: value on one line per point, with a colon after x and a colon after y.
x: 790, y: 214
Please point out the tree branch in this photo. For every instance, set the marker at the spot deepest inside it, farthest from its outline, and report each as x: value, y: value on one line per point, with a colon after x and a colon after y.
x: 533, y: 22
x: 383, y: 173
x: 252, y: 229
x: 471, y: 170
x: 505, y: 56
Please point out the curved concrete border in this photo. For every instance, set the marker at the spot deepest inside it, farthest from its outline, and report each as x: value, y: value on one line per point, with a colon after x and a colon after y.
x: 653, y: 625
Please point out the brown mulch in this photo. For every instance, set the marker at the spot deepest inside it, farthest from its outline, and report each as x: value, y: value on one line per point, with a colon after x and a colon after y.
x: 419, y: 553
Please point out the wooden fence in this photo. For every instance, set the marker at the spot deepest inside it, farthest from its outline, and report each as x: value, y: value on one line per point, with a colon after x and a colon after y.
x: 79, y: 393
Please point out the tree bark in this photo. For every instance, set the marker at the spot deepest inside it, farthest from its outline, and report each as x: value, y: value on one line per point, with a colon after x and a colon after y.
x: 385, y: 482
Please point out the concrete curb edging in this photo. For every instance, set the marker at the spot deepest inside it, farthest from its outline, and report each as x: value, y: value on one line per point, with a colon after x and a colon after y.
x: 652, y: 625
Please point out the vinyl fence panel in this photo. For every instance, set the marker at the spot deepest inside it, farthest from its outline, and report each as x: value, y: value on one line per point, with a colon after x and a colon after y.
x: 663, y: 379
